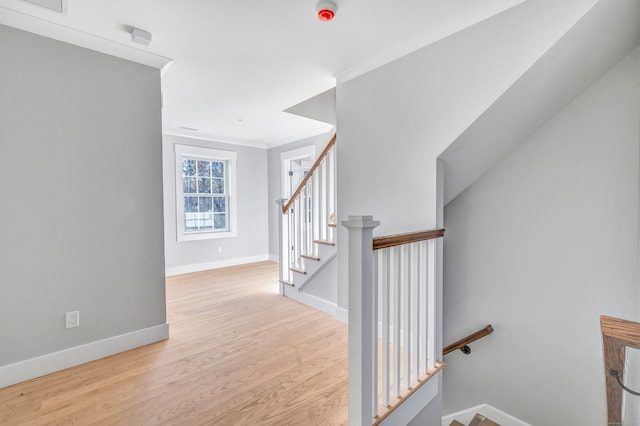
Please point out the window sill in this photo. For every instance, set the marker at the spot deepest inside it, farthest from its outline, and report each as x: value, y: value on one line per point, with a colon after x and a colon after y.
x: 197, y: 236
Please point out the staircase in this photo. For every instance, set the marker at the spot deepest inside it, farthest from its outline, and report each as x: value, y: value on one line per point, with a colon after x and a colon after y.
x: 394, y: 286
x: 308, y: 237
x: 394, y: 350
x: 482, y: 415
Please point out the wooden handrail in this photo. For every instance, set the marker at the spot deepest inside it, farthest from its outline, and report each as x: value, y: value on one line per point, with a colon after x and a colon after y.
x: 407, y: 238
x: 617, y: 335
x: 467, y: 340
x: 325, y: 151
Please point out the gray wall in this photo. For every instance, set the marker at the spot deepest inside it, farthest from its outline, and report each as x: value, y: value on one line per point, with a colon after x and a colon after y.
x: 252, y: 238
x: 540, y: 247
x: 81, y: 218
x: 275, y: 184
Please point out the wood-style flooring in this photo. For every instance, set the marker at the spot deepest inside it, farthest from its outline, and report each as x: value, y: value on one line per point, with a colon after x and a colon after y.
x: 239, y: 354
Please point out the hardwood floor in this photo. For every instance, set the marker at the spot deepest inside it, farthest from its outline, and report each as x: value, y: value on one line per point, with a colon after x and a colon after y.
x: 239, y: 354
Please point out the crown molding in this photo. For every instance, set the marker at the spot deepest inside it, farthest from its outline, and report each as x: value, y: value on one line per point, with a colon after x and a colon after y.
x: 26, y: 17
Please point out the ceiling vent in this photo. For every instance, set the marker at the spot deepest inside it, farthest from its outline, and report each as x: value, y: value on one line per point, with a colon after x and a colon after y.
x: 59, y: 6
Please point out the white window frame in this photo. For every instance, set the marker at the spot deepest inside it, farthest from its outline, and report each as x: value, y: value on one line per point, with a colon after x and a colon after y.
x: 197, y: 152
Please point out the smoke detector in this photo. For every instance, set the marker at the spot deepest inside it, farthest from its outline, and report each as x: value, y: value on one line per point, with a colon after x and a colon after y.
x: 326, y: 10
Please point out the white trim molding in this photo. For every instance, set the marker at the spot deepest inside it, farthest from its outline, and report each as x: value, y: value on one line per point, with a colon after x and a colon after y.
x: 310, y: 300
x: 415, y: 404
x: 325, y: 128
x: 341, y: 314
x: 197, y: 267
x: 34, y: 19
x: 212, y: 138
x: 22, y: 371
x: 486, y: 410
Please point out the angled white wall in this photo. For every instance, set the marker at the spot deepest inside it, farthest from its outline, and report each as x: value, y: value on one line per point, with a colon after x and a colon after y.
x: 599, y: 40
x: 81, y: 216
x: 541, y: 246
x: 393, y: 122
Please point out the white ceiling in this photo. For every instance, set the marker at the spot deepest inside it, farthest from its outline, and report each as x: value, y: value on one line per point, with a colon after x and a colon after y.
x: 233, y: 67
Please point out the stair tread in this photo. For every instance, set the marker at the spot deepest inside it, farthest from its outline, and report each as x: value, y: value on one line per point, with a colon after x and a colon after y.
x: 331, y: 225
x: 325, y: 242
x: 300, y: 271
x: 310, y: 257
x: 289, y: 283
x: 480, y: 420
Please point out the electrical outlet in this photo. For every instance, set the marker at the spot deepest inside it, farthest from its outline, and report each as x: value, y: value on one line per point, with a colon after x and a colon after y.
x: 219, y: 249
x: 73, y: 319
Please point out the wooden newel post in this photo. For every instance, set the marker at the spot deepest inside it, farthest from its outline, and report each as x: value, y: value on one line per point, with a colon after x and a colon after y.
x: 361, y: 327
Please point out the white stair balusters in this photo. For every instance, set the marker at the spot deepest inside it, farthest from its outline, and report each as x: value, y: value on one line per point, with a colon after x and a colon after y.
x: 392, y: 315
x: 305, y: 218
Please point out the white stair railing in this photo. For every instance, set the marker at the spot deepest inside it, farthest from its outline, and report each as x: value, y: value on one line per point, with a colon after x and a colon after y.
x: 305, y: 218
x: 392, y: 318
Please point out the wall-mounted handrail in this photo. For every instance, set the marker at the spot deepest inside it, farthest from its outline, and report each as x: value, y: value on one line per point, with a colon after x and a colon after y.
x: 464, y: 342
x: 616, y: 375
x: 307, y: 178
x: 617, y: 335
x: 407, y: 238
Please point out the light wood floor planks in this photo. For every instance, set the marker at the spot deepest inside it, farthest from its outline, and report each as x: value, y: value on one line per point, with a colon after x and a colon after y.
x: 239, y: 354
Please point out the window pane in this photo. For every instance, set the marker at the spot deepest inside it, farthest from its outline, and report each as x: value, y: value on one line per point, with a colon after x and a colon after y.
x: 206, y: 204
x: 204, y: 168
x: 220, y: 204
x: 191, y: 222
x: 204, y: 186
x: 206, y: 221
x: 190, y: 204
x: 189, y: 185
x: 188, y: 167
x: 220, y: 221
x: 217, y: 186
x: 217, y: 168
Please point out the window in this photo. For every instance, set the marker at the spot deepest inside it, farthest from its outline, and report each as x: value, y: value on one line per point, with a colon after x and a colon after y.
x: 205, y: 193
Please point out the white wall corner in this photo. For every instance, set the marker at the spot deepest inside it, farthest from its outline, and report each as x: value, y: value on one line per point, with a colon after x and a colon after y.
x: 22, y: 371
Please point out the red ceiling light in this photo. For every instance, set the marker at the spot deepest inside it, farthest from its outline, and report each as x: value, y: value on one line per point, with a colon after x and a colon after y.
x: 326, y: 10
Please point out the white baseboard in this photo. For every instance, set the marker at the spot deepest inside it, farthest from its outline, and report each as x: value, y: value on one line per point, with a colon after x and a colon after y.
x: 310, y: 300
x: 342, y: 315
x: 486, y: 410
x: 274, y: 258
x: 197, y: 267
x: 50, y: 363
